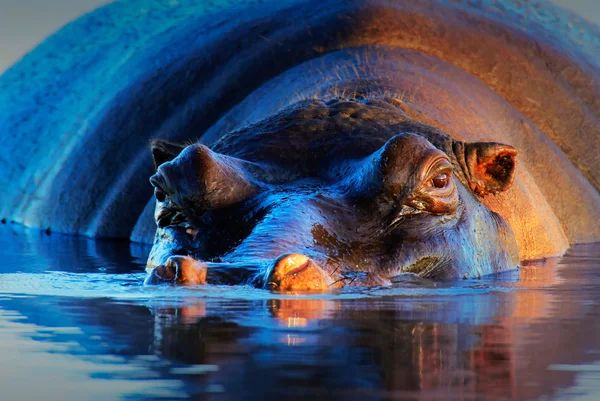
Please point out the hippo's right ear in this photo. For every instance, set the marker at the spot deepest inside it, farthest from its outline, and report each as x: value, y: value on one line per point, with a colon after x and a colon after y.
x: 489, y: 167
x: 164, y: 151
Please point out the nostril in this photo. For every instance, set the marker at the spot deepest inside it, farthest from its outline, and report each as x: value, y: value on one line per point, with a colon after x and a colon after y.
x: 178, y: 269
x: 168, y: 271
x: 297, y: 272
x: 298, y: 269
x: 291, y: 264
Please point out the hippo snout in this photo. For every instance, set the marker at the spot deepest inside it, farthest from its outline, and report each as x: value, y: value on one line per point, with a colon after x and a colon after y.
x: 291, y: 272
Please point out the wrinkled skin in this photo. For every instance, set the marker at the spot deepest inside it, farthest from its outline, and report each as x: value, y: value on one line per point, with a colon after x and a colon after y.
x: 299, y: 210
x: 295, y: 189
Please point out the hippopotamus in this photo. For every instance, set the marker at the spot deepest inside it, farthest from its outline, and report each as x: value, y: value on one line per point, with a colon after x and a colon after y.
x: 328, y: 191
x: 310, y: 145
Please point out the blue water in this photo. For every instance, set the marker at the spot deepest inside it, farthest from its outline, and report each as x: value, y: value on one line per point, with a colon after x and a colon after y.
x: 76, y: 324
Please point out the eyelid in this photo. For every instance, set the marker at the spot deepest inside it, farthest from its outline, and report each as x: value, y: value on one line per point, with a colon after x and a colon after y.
x: 440, y: 166
x: 430, y: 199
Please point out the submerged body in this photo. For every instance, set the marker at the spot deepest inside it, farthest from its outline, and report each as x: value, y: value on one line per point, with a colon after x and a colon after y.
x: 363, y: 140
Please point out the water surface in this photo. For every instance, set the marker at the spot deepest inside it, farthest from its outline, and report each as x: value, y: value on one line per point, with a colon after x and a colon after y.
x: 76, y: 323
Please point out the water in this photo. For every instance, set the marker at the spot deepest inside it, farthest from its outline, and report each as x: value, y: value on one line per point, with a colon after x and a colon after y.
x: 76, y: 324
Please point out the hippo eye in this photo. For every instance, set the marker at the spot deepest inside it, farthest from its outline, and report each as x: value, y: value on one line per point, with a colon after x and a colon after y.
x: 438, y: 194
x: 160, y: 195
x: 440, y: 181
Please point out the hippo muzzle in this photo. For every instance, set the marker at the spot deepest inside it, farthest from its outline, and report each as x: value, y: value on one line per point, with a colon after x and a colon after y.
x: 277, y: 207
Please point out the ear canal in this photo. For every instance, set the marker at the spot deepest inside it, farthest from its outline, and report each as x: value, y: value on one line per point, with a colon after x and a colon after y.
x: 164, y: 151
x: 489, y: 166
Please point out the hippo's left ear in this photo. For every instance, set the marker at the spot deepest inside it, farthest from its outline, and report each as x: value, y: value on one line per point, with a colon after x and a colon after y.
x: 489, y: 167
x: 164, y: 151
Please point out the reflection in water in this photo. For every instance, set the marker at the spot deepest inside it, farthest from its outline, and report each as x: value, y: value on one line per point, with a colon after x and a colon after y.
x: 75, y: 320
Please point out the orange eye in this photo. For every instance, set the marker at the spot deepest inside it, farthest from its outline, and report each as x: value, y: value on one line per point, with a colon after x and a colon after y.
x: 440, y: 181
x: 161, y: 195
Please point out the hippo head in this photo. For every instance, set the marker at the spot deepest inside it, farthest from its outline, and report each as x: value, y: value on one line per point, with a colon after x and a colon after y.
x: 328, y: 193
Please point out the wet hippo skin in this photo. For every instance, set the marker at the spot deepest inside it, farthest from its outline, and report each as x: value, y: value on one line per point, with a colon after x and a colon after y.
x: 362, y: 140
x: 350, y: 186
